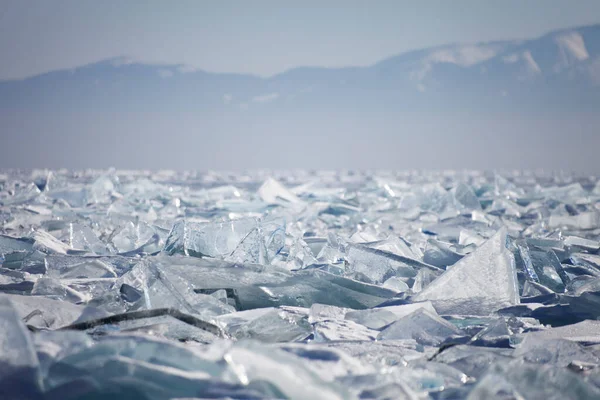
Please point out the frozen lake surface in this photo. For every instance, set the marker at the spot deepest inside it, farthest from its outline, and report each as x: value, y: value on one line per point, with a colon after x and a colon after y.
x: 299, y: 284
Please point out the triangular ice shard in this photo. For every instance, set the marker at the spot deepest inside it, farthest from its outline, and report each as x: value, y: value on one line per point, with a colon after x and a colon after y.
x: 273, y: 192
x: 479, y: 284
x: 424, y: 326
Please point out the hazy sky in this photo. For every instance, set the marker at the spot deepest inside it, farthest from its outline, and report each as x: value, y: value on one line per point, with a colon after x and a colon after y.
x: 261, y: 36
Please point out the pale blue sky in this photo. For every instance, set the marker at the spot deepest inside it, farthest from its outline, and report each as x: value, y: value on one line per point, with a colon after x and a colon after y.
x: 262, y: 37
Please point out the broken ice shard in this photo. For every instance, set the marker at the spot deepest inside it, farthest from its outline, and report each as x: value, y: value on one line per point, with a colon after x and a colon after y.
x: 278, y: 325
x: 479, y: 284
x: 244, y: 240
x: 516, y: 379
x: 543, y: 267
x: 377, y: 266
x: 274, y: 192
x: 378, y: 318
x: 424, y: 326
x: 583, y: 221
x: 82, y: 237
x: 147, y: 286
x: 336, y: 330
x: 43, y: 312
x: 19, y: 366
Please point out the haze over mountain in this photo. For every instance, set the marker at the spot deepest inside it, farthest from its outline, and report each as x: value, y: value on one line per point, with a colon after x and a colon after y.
x: 505, y: 104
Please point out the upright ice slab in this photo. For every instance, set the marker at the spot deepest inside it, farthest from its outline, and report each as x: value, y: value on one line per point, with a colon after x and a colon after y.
x: 479, y: 284
x: 245, y: 240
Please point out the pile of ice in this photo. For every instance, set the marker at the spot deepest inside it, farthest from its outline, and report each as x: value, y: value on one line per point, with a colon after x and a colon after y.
x: 302, y: 285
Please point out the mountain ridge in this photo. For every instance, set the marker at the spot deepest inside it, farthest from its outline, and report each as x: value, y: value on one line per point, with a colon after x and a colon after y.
x: 558, y: 69
x: 124, y: 60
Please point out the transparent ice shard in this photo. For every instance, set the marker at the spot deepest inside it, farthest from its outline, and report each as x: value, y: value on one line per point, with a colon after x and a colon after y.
x: 90, y: 288
x: 165, y: 322
x: 375, y: 386
x: 336, y: 330
x: 268, y: 286
x: 584, y: 221
x: 479, y: 284
x: 133, y: 236
x: 322, y: 312
x: 364, y: 237
x: 533, y: 289
x: 582, y: 243
x: 103, y: 189
x: 532, y: 381
x: 300, y: 256
x: 450, y: 229
x: 565, y: 193
x: 73, y: 196
x: 543, y: 267
x: 10, y: 244
x: 440, y: 254
x: 592, y: 285
x: 278, y: 325
x: 586, y: 331
x: 431, y: 377
x: 233, y: 321
x: 251, y: 249
x: 330, y: 255
x: 382, y: 353
x: 72, y: 267
x: 251, y: 362
x: 223, y: 239
x: 395, y: 245
x: 147, y: 286
x: 15, y: 282
x: 46, y: 243
x: 21, y: 194
x: 378, y: 318
x: 584, y: 259
x: 54, y: 289
x: 328, y: 362
x: 423, y: 279
x: 469, y: 239
x: 19, y: 365
x: 473, y: 360
x: 273, y: 230
x: 372, y: 318
x: 558, y: 352
x: 42, y: 312
x: 82, y: 237
x: 247, y: 238
x: 496, y: 334
x: 273, y: 192
x: 377, y: 266
x: 465, y: 198
x: 432, y: 197
x: 396, y: 284
x: 143, y: 367
x: 423, y: 326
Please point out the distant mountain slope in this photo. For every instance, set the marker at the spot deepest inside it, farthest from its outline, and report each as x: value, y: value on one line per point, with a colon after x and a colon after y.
x: 559, y: 69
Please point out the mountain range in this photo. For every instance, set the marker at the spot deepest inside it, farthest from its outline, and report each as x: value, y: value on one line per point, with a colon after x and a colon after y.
x: 560, y: 69
x: 503, y: 104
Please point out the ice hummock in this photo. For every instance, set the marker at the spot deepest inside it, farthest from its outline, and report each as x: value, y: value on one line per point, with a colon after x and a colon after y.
x: 478, y: 284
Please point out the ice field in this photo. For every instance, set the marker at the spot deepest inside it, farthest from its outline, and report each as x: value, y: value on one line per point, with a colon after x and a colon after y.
x: 299, y: 285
